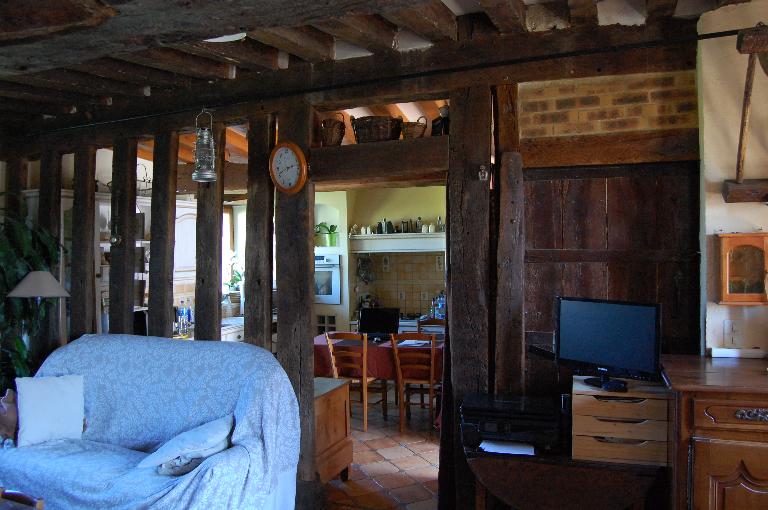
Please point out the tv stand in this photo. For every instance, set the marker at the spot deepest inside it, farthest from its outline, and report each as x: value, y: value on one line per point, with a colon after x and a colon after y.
x: 605, y: 382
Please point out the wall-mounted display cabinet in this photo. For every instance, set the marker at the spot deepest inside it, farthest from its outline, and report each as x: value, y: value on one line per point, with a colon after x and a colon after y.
x: 743, y: 269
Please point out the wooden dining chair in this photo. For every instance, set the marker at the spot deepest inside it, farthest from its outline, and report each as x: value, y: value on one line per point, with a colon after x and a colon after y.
x: 420, y: 325
x: 347, y: 362
x: 22, y: 499
x: 415, y: 368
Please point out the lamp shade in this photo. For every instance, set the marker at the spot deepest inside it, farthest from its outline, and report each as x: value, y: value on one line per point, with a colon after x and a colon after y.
x: 40, y: 284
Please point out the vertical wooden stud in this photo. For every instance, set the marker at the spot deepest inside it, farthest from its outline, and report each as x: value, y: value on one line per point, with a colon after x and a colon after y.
x: 258, y: 233
x: 210, y: 210
x: 294, y: 216
x: 123, y: 252
x: 510, y: 277
x: 83, y: 300
x: 163, y: 233
x: 15, y: 173
x: 469, y: 306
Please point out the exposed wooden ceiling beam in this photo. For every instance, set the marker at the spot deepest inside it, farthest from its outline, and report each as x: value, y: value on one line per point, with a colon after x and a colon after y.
x: 32, y: 93
x: 429, y: 109
x: 507, y: 15
x: 547, y: 16
x: 174, y: 61
x: 658, y: 9
x: 584, y: 12
x: 73, y: 81
x: 145, y: 151
x: 237, y: 143
x: 132, y: 73
x: 432, y: 21
x: 140, y: 24
x: 14, y: 105
x: 369, y: 32
x: 246, y: 53
x: 305, y: 42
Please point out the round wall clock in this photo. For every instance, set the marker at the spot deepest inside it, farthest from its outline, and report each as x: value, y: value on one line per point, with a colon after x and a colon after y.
x: 288, y: 167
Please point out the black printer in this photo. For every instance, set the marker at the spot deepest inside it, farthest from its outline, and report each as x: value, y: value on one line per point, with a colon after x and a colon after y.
x: 532, y: 420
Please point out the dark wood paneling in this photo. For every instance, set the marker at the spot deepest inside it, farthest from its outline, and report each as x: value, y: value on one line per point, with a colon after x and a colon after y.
x: 584, y: 214
x: 510, y: 278
x: 258, y: 232
x: 634, y: 281
x: 587, y: 280
x: 163, y: 233
x: 543, y: 215
x: 632, y: 213
x: 15, y: 175
x: 210, y: 210
x: 122, y: 254
x: 543, y: 282
x: 83, y: 289
x: 468, y: 284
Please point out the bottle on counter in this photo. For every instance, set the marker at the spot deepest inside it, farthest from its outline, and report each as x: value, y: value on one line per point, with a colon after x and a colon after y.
x: 182, y: 319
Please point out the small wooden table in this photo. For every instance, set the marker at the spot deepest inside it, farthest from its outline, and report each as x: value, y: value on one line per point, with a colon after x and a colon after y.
x: 333, y: 446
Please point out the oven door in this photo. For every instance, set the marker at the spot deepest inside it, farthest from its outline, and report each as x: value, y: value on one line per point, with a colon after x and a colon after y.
x: 327, y: 284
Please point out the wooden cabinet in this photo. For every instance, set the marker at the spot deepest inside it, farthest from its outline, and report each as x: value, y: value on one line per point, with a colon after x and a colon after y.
x: 333, y: 446
x: 743, y: 269
x: 720, y: 432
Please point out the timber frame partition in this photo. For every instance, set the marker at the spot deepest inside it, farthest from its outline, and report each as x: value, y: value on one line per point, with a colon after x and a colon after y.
x: 485, y: 328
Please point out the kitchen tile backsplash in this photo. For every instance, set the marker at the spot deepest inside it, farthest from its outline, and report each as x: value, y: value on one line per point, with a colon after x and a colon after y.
x: 407, y: 281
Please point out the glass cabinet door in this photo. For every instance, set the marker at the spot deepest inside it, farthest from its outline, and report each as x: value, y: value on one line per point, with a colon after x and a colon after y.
x: 743, y: 271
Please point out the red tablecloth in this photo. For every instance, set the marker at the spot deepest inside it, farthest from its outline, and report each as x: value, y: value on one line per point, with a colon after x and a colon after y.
x: 381, y: 361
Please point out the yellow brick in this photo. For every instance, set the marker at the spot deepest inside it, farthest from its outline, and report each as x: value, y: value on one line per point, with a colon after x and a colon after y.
x: 577, y: 128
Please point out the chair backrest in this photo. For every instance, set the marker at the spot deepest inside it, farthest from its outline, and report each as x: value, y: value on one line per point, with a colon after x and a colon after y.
x: 414, y: 363
x: 22, y: 499
x: 348, y: 361
x: 429, y: 322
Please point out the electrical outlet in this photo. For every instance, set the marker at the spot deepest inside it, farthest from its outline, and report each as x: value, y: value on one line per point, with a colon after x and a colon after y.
x: 401, y: 295
x: 423, y: 296
x: 732, y: 333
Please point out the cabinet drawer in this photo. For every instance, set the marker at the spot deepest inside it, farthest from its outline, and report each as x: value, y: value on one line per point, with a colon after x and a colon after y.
x: 627, y: 428
x: 730, y: 414
x: 620, y: 407
x: 630, y: 451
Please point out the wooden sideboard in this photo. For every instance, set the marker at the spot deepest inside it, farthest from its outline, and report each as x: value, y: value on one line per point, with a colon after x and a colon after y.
x: 719, y: 432
x: 333, y: 446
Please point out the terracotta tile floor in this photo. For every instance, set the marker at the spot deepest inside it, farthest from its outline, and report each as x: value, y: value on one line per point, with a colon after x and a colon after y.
x: 390, y: 470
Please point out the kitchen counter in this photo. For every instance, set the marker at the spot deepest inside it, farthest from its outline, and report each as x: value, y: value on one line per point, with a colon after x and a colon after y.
x: 406, y: 325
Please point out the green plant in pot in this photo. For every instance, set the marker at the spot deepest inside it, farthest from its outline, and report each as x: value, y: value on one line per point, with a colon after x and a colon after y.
x: 326, y: 235
x: 23, y: 248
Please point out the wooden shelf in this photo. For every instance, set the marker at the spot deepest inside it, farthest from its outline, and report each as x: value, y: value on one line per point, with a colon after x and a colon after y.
x: 751, y: 190
x: 396, y: 243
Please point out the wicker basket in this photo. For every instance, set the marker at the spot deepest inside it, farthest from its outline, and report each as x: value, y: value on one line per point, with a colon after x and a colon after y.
x: 376, y: 128
x: 415, y: 129
x: 332, y: 131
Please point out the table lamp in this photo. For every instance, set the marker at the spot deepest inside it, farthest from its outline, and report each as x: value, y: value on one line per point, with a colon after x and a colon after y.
x: 39, y: 285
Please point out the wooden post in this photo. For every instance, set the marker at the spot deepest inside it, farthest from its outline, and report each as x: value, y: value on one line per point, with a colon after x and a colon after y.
x: 469, y: 309
x: 83, y: 300
x: 49, y: 217
x: 510, y: 277
x: 258, y: 233
x: 123, y: 252
x: 745, y: 110
x: 210, y: 210
x: 163, y: 233
x: 15, y: 174
x: 294, y: 216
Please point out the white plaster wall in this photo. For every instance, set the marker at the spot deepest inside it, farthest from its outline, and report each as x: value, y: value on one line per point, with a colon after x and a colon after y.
x: 331, y: 207
x: 721, y: 74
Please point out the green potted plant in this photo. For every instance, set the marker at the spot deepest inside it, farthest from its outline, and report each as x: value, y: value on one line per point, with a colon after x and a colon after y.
x: 235, y: 280
x: 326, y: 235
x: 23, y: 248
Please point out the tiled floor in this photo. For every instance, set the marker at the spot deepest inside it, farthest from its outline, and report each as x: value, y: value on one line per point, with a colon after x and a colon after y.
x: 390, y: 470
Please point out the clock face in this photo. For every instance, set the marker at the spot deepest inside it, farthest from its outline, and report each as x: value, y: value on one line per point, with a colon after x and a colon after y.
x: 288, y: 167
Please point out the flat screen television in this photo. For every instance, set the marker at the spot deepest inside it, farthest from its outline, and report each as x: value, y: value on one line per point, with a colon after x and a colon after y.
x: 379, y: 322
x: 609, y: 339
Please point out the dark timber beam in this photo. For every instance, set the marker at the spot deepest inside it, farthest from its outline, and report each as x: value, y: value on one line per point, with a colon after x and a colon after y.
x: 369, y: 32
x: 83, y: 292
x: 432, y: 21
x: 210, y: 210
x: 584, y: 12
x: 118, y: 70
x: 305, y: 42
x: 468, y: 283
x: 174, y: 61
x: 15, y: 176
x: 49, y: 218
x: 43, y: 95
x: 259, y: 219
x: 73, y: 81
x: 14, y: 105
x: 507, y: 15
x: 123, y: 253
x: 658, y: 9
x: 247, y: 53
x: 294, y: 218
x: 163, y: 233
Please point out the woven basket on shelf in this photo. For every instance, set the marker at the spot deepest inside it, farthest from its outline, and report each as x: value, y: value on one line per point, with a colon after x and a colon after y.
x: 415, y: 129
x: 376, y: 128
x: 332, y: 131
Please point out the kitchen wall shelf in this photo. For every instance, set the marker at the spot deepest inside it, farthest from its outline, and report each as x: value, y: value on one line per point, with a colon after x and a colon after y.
x: 395, y: 243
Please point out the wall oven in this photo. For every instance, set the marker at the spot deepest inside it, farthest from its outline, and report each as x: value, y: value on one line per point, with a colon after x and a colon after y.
x: 328, y: 279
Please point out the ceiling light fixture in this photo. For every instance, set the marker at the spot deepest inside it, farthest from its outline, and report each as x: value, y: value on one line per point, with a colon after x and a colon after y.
x: 226, y: 38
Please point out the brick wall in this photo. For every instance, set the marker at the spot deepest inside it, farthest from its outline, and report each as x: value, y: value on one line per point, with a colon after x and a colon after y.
x: 607, y: 105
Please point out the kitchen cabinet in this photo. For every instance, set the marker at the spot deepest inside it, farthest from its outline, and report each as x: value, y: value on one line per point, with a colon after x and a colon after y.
x: 333, y: 444
x: 730, y: 475
x: 743, y: 269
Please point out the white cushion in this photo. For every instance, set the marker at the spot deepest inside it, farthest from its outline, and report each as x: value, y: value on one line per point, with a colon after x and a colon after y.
x: 50, y: 408
x: 200, y: 442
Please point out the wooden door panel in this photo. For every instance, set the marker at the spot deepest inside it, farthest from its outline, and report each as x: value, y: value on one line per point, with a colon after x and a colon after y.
x: 543, y: 215
x: 730, y: 475
x: 632, y: 209
x: 633, y: 281
x: 586, y: 280
x: 542, y: 283
x: 584, y: 214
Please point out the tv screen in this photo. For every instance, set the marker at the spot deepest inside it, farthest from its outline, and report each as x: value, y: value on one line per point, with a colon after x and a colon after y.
x: 379, y: 321
x: 609, y: 337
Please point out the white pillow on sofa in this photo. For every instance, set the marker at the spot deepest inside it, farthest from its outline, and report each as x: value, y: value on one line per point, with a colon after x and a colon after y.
x: 200, y: 442
x: 50, y: 408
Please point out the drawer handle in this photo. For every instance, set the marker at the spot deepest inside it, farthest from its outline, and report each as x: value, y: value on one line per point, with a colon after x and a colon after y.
x: 619, y: 440
x: 620, y: 420
x: 752, y: 414
x: 624, y: 400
